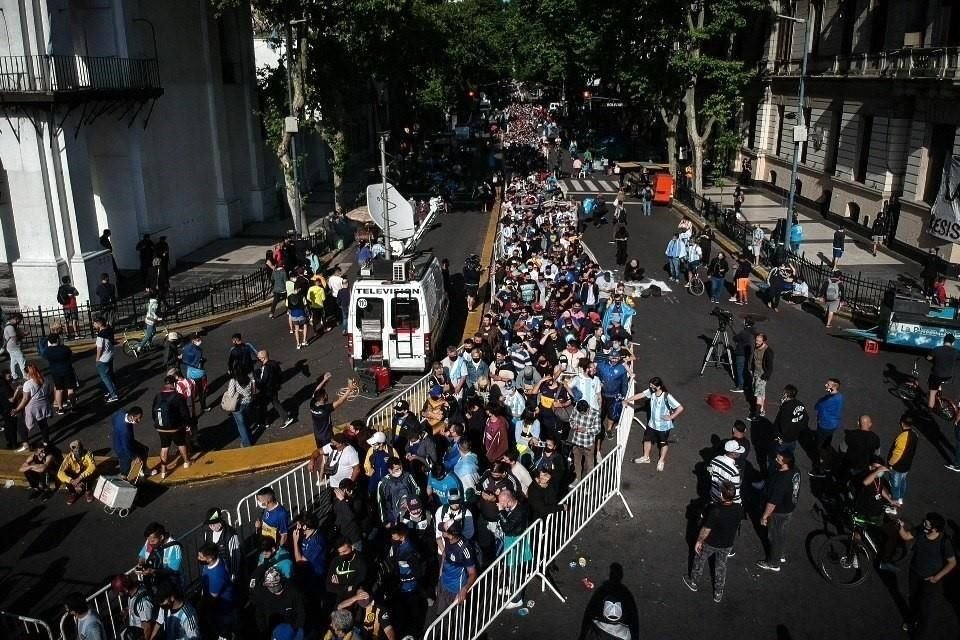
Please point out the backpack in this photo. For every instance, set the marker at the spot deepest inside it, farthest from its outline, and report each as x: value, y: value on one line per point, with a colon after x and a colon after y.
x: 163, y: 417
x: 832, y: 294
x: 648, y: 194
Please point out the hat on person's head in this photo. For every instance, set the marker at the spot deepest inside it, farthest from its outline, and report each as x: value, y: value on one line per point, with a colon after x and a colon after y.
x: 436, y: 391
x: 377, y: 438
x: 414, y: 504
x: 732, y: 446
x: 455, y: 497
x: 594, y: 317
x: 615, y: 354
x: 214, y: 516
x: 612, y: 611
x: 537, y: 307
x: 173, y: 371
x: 401, y: 405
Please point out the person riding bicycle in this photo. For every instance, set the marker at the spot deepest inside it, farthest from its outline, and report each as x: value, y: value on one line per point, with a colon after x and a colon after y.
x: 873, y: 505
x: 471, y: 280
x: 943, y: 359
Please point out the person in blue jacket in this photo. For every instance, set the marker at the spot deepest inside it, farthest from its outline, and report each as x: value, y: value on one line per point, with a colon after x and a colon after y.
x: 614, y: 378
x: 796, y: 235
x: 124, y: 444
x: 829, y: 410
x: 192, y: 357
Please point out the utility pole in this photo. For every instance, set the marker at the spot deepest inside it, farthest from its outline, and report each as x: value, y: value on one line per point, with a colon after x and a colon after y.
x: 799, y: 133
x: 292, y: 127
x: 383, y: 194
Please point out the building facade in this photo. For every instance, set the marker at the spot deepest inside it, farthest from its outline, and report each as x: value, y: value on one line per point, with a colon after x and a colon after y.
x: 882, y: 89
x: 131, y: 115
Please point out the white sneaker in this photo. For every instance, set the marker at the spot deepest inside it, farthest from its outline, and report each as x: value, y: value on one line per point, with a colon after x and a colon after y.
x: 642, y: 460
x: 286, y: 423
x: 23, y: 448
x: 514, y: 604
x: 660, y: 465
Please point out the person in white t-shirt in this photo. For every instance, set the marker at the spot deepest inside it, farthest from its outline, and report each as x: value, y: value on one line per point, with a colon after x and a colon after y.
x: 336, y: 282
x: 339, y: 460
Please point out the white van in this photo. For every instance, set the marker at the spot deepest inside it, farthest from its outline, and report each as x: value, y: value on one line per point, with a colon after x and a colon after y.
x: 398, y: 314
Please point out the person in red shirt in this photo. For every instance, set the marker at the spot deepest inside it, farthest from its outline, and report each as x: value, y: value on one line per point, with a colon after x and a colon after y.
x: 940, y: 291
x: 495, y: 435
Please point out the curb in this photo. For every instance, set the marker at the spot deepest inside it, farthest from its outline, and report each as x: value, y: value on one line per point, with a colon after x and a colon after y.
x: 474, y: 317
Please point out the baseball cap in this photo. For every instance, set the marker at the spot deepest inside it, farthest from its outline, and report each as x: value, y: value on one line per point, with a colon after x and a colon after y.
x: 436, y: 391
x: 732, y: 446
x: 377, y: 438
x: 214, y: 516
x: 401, y: 405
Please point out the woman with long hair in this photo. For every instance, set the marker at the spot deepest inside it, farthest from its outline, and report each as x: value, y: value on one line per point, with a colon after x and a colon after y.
x: 241, y: 385
x: 620, y: 238
x: 36, y: 404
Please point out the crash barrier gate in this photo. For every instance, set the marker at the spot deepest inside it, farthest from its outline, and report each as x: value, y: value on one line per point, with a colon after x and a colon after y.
x: 532, y: 554
x: 17, y: 627
x: 109, y: 605
x: 299, y: 490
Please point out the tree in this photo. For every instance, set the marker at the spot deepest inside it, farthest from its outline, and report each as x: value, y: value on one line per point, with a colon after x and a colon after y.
x: 712, y: 80
x: 333, y: 52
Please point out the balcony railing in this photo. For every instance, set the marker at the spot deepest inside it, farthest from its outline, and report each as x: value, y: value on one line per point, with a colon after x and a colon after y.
x: 72, y: 75
x: 922, y: 63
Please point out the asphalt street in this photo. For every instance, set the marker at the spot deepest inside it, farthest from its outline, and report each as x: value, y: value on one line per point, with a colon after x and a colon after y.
x: 49, y: 549
x: 455, y: 236
x: 672, y: 332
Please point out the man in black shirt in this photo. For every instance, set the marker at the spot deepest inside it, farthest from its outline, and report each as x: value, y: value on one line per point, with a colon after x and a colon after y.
x: 783, y: 491
x: 742, y: 347
x: 943, y: 358
x: 716, y: 538
x: 862, y: 446
x: 790, y: 423
x: 933, y: 558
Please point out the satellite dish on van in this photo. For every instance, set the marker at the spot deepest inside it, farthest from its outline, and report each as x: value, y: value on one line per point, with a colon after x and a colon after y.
x: 402, y: 225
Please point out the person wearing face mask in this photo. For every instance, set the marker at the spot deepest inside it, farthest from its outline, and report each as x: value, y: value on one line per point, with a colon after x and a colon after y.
x: 933, y: 558
x: 441, y: 485
x: 274, y: 520
x: 375, y: 461
x: 454, y: 511
x: 192, y: 356
x: 663, y: 410
x: 829, y: 410
x: 277, y: 601
x: 394, y: 491
x: 407, y: 576
x: 496, y: 436
x: 348, y: 572
x: 542, y: 495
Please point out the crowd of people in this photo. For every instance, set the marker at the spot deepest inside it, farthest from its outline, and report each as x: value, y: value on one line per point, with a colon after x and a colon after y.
x: 516, y: 416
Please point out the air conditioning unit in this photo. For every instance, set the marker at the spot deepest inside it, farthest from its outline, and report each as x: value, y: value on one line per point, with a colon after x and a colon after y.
x: 401, y: 268
x: 913, y: 39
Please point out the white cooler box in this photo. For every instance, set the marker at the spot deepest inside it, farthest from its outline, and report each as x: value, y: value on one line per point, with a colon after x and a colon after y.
x: 115, y: 492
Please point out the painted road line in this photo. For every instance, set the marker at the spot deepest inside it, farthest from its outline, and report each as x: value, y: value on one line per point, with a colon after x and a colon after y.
x: 590, y: 185
x: 575, y: 184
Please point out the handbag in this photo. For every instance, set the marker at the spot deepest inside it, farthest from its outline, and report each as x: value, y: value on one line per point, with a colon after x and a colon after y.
x: 230, y: 400
x: 563, y: 413
x: 195, y: 374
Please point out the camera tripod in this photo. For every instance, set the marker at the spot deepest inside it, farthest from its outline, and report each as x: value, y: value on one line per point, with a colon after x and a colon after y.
x: 720, y: 351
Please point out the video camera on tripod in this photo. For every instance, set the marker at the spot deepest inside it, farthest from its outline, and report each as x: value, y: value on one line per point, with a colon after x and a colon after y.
x: 724, y: 317
x: 720, y: 351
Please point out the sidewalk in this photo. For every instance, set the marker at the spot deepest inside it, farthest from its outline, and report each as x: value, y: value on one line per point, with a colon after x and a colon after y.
x: 765, y: 208
x: 139, y: 380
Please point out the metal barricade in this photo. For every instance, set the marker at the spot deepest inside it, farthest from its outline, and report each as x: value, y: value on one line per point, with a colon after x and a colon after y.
x: 580, y: 506
x: 299, y: 490
x: 416, y: 394
x: 501, y: 582
x: 17, y: 627
x: 109, y: 605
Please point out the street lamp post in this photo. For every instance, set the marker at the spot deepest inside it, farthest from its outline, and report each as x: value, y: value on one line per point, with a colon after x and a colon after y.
x: 292, y: 127
x: 799, y: 132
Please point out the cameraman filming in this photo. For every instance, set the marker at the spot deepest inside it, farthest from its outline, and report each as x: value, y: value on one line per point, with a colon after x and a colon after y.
x: 742, y: 347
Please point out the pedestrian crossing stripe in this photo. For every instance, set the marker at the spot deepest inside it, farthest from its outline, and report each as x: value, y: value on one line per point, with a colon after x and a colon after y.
x: 591, y: 186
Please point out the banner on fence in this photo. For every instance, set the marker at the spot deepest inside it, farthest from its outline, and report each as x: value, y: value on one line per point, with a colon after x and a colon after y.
x: 945, y: 213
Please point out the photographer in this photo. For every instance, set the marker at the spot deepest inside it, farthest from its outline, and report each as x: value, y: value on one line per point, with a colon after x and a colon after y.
x: 742, y: 346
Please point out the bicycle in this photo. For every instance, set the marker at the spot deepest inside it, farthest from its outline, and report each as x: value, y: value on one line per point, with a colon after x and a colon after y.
x: 130, y: 342
x: 911, y: 391
x: 696, y: 287
x: 844, y: 560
